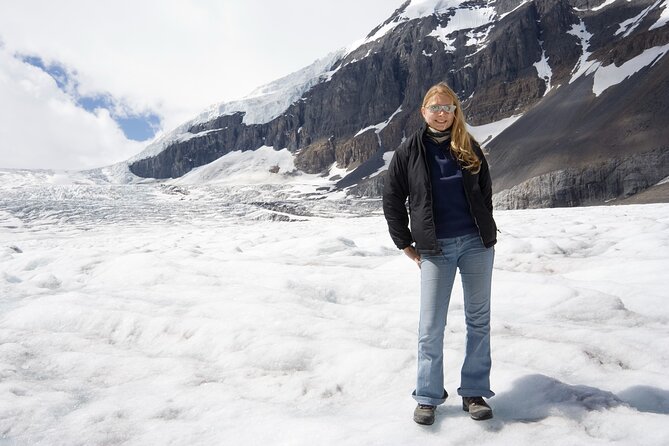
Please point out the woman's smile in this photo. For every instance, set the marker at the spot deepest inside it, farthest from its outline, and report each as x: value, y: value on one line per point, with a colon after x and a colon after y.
x: 440, y: 120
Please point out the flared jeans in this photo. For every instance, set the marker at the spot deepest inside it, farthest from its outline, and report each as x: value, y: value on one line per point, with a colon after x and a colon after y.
x: 475, y: 262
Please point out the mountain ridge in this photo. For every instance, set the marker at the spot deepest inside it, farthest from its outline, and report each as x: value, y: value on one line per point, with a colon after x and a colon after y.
x: 503, y: 58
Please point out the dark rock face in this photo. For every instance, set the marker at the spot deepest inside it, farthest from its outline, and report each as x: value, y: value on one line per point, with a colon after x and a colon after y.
x: 568, y: 127
x: 654, y: 194
x: 598, y: 183
x: 571, y: 127
x: 316, y: 156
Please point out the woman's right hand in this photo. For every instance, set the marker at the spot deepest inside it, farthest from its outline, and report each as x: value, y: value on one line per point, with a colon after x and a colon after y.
x: 411, y: 252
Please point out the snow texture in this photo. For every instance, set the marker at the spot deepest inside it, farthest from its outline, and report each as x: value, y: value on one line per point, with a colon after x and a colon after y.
x: 200, y: 315
x: 607, y: 76
x: 387, y: 157
x: 602, y: 6
x: 462, y: 19
x: 544, y: 69
x: 664, y: 16
x: 264, y: 165
x: 380, y: 126
x: 421, y: 8
x: 628, y: 26
x: 610, y: 75
x: 583, y: 66
x: 487, y: 132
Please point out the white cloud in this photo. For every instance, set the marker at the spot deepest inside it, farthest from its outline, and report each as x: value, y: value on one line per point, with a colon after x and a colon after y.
x: 176, y: 58
x: 42, y: 127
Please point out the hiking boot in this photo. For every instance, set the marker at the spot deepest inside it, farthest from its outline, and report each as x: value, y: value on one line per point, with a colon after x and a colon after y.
x: 478, y: 409
x: 424, y: 414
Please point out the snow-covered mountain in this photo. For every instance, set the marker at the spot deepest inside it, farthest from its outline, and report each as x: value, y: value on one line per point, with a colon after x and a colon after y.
x: 575, y: 89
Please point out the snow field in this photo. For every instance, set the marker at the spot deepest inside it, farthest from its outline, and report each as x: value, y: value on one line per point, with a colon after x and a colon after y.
x: 196, y: 325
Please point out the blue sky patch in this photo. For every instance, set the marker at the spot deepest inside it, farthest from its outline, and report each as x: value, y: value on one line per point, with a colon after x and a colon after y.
x: 135, y: 126
x: 139, y: 127
x: 56, y: 71
x: 90, y: 103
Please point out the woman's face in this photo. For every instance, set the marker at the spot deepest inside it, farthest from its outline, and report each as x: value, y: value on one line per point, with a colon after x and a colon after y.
x: 441, y: 120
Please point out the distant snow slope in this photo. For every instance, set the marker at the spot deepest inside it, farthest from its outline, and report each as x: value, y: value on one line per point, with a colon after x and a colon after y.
x: 464, y: 16
x: 200, y: 315
x: 487, y: 132
x: 260, y: 106
x: 610, y: 75
x: 262, y: 166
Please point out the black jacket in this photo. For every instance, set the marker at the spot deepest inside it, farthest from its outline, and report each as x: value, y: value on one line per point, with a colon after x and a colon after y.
x: 409, y: 176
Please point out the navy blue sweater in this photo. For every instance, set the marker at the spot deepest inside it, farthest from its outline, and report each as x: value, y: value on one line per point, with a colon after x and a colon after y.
x: 452, y: 216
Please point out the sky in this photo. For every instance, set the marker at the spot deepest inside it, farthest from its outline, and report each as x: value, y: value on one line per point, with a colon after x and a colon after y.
x: 86, y: 84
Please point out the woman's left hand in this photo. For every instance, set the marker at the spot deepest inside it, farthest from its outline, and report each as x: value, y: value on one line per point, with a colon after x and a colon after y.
x: 411, y: 252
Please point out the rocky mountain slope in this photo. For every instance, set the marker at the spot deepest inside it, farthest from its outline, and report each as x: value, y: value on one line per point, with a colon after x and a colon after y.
x: 584, y: 80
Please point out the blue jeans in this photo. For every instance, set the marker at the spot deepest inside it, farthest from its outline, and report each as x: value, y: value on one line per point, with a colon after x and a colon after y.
x: 475, y: 262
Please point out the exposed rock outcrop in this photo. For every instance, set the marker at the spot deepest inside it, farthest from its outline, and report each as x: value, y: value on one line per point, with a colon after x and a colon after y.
x: 614, y: 179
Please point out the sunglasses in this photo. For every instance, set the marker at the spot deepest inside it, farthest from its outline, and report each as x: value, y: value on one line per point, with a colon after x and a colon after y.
x: 438, y: 108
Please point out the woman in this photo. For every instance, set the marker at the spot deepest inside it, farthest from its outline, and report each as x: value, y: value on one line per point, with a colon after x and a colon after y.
x: 443, y: 173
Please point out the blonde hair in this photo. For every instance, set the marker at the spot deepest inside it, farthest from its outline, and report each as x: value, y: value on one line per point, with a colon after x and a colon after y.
x: 461, y: 140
